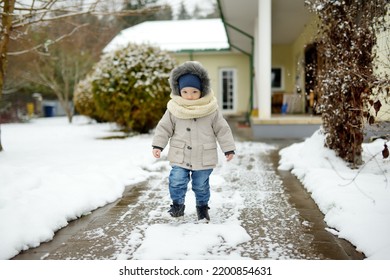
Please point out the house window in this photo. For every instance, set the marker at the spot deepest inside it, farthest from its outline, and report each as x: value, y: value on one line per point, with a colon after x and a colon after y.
x: 227, y: 88
x: 277, y: 78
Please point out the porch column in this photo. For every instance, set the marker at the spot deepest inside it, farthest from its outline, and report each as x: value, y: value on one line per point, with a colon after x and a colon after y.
x: 263, y: 75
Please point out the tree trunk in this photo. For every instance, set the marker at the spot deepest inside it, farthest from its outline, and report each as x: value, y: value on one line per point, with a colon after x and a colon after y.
x: 67, y: 108
x: 1, y: 146
x: 6, y: 21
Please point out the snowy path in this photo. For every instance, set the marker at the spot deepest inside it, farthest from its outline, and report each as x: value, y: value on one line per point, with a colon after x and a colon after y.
x: 250, y: 213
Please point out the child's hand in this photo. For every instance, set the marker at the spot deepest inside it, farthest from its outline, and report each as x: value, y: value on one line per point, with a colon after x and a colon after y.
x: 229, y: 157
x: 156, y: 153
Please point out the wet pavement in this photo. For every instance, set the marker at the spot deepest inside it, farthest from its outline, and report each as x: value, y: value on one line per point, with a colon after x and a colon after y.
x: 321, y: 241
x: 278, y: 214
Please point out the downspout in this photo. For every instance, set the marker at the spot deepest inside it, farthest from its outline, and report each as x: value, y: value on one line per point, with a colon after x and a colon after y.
x: 251, y: 57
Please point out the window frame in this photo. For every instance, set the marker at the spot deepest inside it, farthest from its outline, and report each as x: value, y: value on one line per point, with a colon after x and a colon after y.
x: 279, y: 76
x: 233, y: 103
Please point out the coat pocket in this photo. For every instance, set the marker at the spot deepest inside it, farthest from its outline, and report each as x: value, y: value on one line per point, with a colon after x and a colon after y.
x: 209, y: 155
x: 176, y: 151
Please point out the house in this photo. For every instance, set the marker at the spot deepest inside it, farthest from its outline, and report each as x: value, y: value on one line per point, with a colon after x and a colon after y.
x: 256, y: 55
x: 279, y: 35
x: 204, y: 41
x: 227, y: 48
x: 275, y: 33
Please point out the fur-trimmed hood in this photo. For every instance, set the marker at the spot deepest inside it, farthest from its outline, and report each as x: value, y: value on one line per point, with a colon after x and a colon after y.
x: 192, y: 67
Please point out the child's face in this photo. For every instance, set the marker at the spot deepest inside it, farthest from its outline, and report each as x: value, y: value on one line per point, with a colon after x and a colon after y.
x: 190, y: 93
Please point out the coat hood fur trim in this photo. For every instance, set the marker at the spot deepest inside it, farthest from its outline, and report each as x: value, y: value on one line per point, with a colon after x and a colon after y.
x: 192, y: 67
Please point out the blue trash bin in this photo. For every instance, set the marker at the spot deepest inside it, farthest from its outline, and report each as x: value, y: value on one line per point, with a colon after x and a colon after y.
x: 48, y: 110
x: 284, y: 108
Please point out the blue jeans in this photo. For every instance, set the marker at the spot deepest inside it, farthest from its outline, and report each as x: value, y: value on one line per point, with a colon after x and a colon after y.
x: 178, y: 182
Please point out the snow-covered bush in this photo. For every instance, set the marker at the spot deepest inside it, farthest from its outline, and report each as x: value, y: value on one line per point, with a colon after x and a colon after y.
x: 129, y: 86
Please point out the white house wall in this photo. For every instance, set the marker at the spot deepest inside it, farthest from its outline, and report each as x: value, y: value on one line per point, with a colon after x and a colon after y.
x: 383, y: 63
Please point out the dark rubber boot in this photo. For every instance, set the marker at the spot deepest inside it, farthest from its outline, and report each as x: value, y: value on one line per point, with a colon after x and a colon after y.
x: 177, y: 210
x: 203, y: 212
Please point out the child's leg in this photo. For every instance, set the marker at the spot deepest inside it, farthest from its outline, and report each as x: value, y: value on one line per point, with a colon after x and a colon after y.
x: 201, y: 186
x: 178, y: 184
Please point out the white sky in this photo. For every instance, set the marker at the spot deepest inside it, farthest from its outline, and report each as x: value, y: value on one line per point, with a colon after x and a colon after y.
x: 205, y: 5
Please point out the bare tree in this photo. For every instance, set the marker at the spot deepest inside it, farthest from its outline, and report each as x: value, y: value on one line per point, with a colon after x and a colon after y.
x: 55, y: 69
x: 17, y: 15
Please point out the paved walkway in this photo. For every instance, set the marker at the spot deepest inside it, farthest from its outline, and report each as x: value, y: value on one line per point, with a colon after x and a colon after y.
x: 279, y: 215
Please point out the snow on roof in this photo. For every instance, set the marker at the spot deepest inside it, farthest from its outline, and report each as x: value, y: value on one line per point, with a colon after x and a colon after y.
x: 174, y: 35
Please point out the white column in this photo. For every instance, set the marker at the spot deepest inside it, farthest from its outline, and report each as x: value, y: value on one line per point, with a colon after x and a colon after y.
x: 263, y: 75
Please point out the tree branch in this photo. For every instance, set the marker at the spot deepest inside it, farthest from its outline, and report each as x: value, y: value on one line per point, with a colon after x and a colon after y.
x: 52, y: 42
x: 79, y: 13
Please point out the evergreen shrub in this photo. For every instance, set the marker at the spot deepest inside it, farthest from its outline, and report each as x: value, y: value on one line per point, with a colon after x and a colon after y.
x: 129, y: 87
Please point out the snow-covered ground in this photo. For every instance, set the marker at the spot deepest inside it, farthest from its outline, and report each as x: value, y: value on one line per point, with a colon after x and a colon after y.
x: 52, y: 172
x: 356, y: 203
x: 61, y: 171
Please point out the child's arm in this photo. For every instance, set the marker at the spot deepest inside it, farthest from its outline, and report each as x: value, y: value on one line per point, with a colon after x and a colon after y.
x: 224, y: 136
x: 164, y: 131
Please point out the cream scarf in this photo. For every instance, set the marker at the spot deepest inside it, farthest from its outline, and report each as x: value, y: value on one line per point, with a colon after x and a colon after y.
x: 190, y: 109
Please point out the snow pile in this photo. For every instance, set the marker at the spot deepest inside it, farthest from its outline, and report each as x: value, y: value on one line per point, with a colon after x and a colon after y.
x: 52, y: 172
x: 355, y: 202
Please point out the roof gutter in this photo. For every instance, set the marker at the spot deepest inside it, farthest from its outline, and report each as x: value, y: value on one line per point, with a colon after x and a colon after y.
x: 200, y: 50
x: 191, y: 52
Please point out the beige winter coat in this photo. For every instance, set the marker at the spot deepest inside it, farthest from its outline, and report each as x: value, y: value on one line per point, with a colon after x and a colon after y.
x: 193, y: 142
